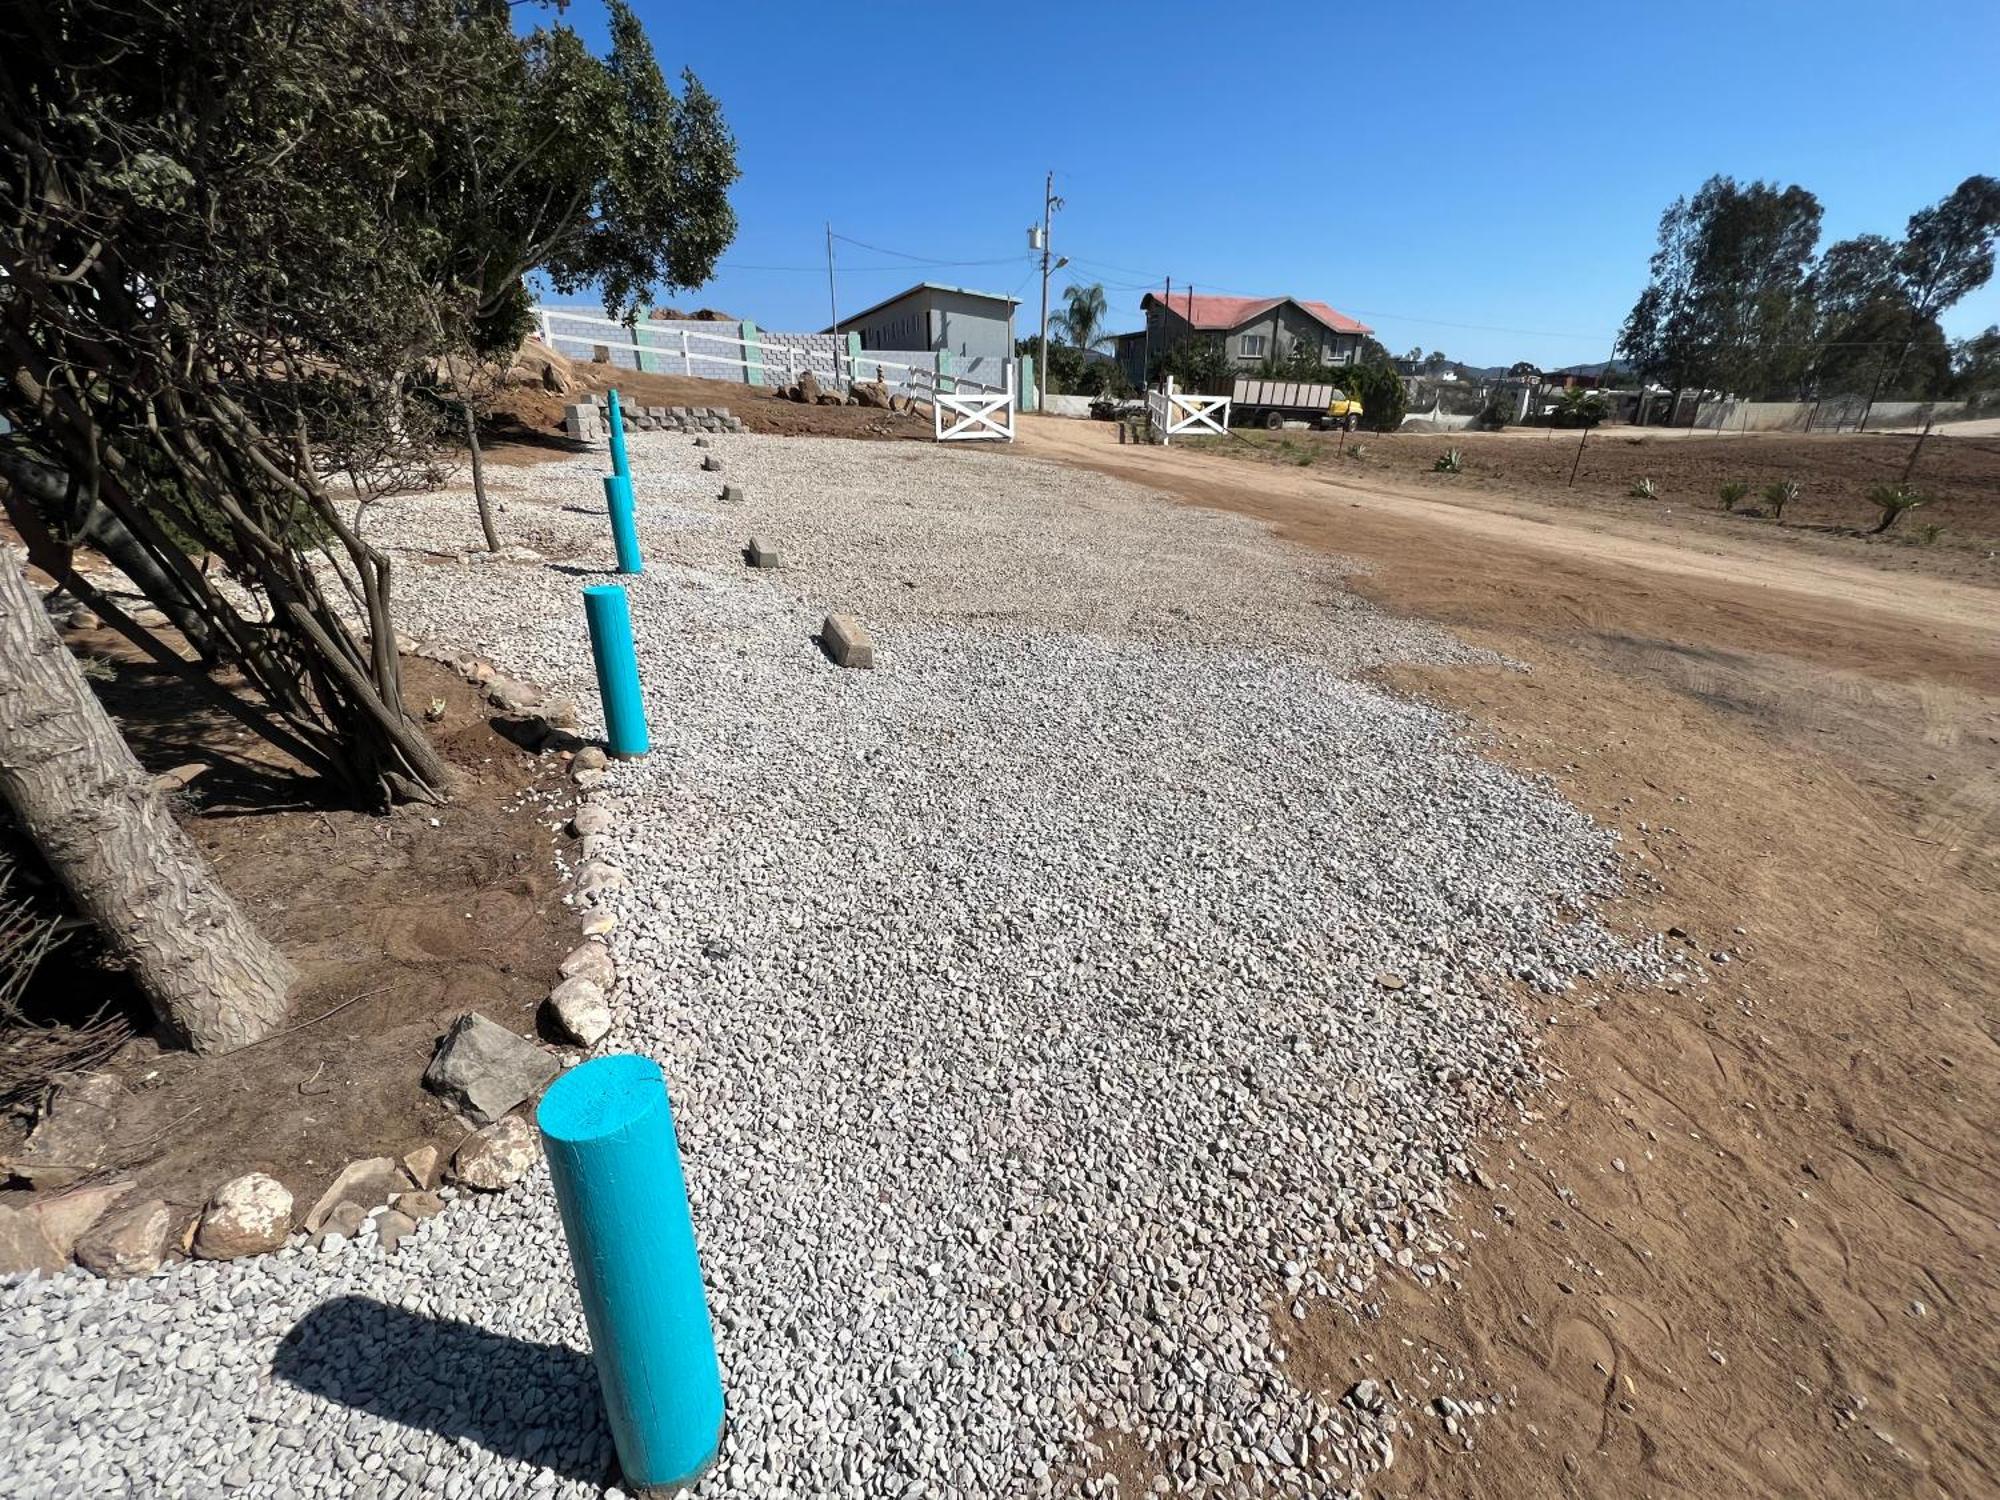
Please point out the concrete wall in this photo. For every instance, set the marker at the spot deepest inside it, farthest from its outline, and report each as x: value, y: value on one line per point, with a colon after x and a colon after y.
x: 1068, y: 406
x: 1829, y: 414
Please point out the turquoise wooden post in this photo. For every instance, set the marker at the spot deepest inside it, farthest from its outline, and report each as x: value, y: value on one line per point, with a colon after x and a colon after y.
x: 753, y: 354
x: 617, y: 422
x: 608, y: 1133
x: 610, y: 619
x: 1024, y: 386
x: 624, y: 523
x: 945, y: 382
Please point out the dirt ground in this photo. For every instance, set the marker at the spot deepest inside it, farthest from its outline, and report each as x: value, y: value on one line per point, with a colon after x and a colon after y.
x: 397, y: 923
x: 1747, y: 1247
x: 1832, y: 516
x: 527, y: 419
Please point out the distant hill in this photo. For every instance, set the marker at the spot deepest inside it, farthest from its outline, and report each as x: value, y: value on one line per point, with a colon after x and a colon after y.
x: 1612, y: 366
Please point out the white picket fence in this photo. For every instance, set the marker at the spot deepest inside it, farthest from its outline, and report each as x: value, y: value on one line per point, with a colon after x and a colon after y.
x: 702, y: 351
x: 1177, y: 413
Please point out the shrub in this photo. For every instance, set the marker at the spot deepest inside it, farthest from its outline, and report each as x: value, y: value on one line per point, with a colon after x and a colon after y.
x: 1496, y: 414
x: 1449, y: 462
x: 1731, y: 494
x: 1931, y: 533
x: 1359, y: 450
x: 1893, y: 500
x: 1642, y: 489
x: 1781, y: 493
x: 1579, y: 407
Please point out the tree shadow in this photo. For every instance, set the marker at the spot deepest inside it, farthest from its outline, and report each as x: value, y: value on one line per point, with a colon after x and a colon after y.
x: 537, y: 1403
x: 575, y: 570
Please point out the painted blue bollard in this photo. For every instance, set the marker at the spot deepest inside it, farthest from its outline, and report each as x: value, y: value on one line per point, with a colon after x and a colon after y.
x: 617, y: 424
x: 624, y: 524
x: 608, y: 1132
x: 610, y: 620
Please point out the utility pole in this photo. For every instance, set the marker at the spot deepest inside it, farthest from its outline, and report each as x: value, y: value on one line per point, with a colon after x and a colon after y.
x: 832, y: 301
x: 1050, y: 203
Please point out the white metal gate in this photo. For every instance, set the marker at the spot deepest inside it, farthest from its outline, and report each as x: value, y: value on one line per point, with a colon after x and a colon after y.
x: 1178, y: 413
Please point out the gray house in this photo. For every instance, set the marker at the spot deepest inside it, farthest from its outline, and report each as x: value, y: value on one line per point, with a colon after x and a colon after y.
x: 931, y: 316
x: 1251, y: 329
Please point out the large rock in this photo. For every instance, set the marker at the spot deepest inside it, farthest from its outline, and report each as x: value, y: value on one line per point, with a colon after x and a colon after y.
x: 69, y: 1141
x: 67, y: 1217
x: 248, y: 1215
x: 372, y: 1180
x: 496, y: 1158
x: 871, y: 393
x: 809, y: 390
x: 577, y: 1009
x: 422, y: 1165
x: 485, y: 1070
x: 592, y: 961
x: 25, y: 1245
x: 129, y: 1242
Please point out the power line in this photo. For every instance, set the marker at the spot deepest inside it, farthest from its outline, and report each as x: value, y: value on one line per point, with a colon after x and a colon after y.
x: 925, y: 260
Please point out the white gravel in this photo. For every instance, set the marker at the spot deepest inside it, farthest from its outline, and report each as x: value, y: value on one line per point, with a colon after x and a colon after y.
x: 1021, y: 1002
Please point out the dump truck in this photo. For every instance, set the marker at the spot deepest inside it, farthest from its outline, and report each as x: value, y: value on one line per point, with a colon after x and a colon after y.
x: 1272, y: 403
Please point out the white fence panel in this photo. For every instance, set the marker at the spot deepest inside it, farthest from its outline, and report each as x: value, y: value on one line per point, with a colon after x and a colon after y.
x: 966, y: 415
x: 1177, y: 413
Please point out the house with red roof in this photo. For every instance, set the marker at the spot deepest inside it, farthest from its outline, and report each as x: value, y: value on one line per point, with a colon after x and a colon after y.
x: 1250, y: 329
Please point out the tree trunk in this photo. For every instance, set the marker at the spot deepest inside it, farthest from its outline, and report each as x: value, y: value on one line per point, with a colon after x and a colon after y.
x: 78, y: 793
x: 479, y: 482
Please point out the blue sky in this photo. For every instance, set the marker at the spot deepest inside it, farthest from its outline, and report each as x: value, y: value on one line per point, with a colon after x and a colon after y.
x: 1486, y: 180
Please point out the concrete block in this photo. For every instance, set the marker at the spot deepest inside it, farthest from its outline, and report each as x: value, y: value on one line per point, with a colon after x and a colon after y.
x: 712, y: 464
x: 732, y: 493
x: 844, y: 639
x: 760, y: 556
x: 583, y: 423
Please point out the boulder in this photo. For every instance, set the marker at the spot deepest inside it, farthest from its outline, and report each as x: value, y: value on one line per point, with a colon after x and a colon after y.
x: 590, y: 961
x: 591, y: 817
x: 484, y: 1070
x: 418, y: 1205
x: 497, y: 1157
x: 576, y: 1008
x: 368, y: 1182
x: 25, y: 1245
x: 870, y: 393
x: 248, y: 1215
x: 513, y: 695
x: 422, y: 1167
x: 832, y: 398
x: 342, y: 1223
x: 808, y: 389
x: 591, y: 758
x: 391, y: 1225
x: 67, y: 1217
x: 128, y: 1242
x: 67, y: 1143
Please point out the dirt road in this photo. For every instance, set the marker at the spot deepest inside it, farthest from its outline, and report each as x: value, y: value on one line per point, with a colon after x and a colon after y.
x: 1749, y: 1246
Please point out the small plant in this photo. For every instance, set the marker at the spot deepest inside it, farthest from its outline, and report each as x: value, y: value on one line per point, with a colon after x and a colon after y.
x: 1930, y: 533
x: 1731, y: 494
x: 1781, y: 493
x: 1359, y: 450
x: 1303, y: 458
x: 1642, y: 489
x: 1893, y: 500
x: 1451, y: 461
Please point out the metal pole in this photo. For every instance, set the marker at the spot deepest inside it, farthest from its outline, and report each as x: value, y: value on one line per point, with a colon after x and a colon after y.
x: 1042, y: 371
x: 617, y: 424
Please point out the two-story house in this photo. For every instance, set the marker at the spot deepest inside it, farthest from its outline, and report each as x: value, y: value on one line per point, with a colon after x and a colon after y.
x: 1251, y: 329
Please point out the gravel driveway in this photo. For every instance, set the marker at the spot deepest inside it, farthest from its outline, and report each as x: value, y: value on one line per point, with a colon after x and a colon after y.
x: 1048, y: 1014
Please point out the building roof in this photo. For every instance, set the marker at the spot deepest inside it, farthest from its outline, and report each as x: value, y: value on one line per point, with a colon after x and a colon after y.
x: 927, y: 286
x: 1219, y: 314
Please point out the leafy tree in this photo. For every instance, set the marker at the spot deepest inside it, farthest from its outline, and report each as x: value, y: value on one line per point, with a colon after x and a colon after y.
x: 1435, y: 362
x: 1975, y: 363
x: 1065, y: 364
x: 1947, y: 249
x: 1726, y: 305
x: 1080, y: 321
x: 1523, y: 369
x: 237, y: 239
x: 1579, y: 406
x: 1197, y: 363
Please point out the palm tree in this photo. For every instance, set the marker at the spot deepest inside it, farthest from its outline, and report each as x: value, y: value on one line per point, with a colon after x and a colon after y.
x: 1080, y: 322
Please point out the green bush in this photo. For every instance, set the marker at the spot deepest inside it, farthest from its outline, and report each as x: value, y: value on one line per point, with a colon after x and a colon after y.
x: 1732, y: 492
x: 1451, y: 461
x: 1579, y: 407
x: 1781, y: 493
x: 1642, y: 489
x: 1893, y: 500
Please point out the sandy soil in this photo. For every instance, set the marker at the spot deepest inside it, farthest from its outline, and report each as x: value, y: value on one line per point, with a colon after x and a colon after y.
x: 1956, y: 533
x: 1749, y: 1248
